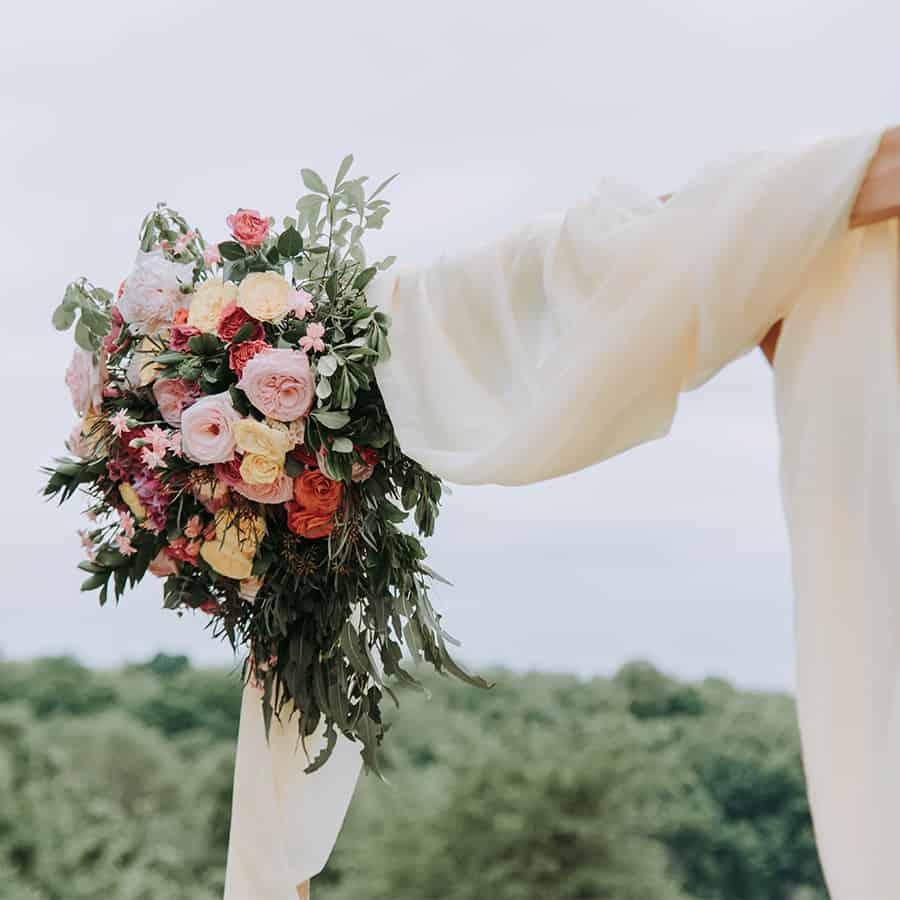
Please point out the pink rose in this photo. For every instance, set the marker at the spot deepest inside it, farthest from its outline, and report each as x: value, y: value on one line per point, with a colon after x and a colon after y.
x: 173, y: 396
x: 152, y: 293
x: 248, y: 227
x: 78, y: 379
x: 279, y: 383
x: 206, y: 435
x: 162, y: 565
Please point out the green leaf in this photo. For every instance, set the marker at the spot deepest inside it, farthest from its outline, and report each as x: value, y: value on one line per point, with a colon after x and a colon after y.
x: 63, y: 317
x: 85, y: 338
x: 290, y: 243
x: 382, y: 186
x: 331, y: 419
x: 343, y: 169
x: 95, y: 581
x: 205, y: 344
x: 313, y: 181
x: 342, y: 445
x: 231, y: 250
x: 364, y: 277
x: 331, y: 286
x: 323, y: 389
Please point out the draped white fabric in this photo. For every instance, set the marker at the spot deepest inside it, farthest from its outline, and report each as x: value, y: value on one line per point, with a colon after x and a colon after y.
x: 570, y: 341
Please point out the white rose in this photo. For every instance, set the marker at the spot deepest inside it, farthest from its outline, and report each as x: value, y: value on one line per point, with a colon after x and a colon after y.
x: 151, y: 293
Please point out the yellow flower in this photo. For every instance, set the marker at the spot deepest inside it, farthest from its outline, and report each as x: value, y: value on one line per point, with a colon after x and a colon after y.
x: 208, y: 302
x: 94, y: 432
x: 264, y: 295
x: 258, y: 469
x: 256, y: 437
x: 132, y: 501
x: 227, y: 561
x: 231, y: 551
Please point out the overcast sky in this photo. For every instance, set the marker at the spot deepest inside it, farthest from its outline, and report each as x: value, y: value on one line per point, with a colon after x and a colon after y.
x: 493, y: 113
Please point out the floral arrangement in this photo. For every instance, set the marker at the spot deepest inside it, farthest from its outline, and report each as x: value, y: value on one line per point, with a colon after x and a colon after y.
x: 233, y: 441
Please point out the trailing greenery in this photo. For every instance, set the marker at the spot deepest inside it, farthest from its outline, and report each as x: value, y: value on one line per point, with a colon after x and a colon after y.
x: 640, y: 787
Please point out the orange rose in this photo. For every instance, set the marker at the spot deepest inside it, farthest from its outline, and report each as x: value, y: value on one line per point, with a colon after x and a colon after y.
x: 308, y: 524
x: 316, y: 493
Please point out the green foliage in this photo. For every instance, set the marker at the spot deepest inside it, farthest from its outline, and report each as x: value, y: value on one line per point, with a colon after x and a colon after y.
x: 118, y: 784
x: 87, y: 307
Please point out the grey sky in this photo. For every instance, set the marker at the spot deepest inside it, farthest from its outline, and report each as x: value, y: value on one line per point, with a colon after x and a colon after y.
x: 493, y: 112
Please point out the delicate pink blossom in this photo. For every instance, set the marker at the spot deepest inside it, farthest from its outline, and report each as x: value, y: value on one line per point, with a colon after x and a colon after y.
x: 123, y: 542
x: 119, y: 422
x: 194, y: 527
x: 159, y: 440
x: 211, y: 256
x: 301, y: 303
x: 87, y: 542
x: 150, y: 458
x: 312, y: 340
x: 126, y: 520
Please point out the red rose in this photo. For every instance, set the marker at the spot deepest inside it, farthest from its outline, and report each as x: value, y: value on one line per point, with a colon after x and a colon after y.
x: 369, y: 456
x: 308, y: 524
x: 248, y: 227
x: 240, y: 354
x: 302, y: 455
x: 233, y: 319
x: 180, y: 335
x: 210, y: 607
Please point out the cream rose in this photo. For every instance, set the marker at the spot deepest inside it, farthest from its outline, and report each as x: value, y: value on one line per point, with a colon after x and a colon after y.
x: 257, y: 469
x: 265, y: 296
x: 264, y: 440
x: 208, y: 302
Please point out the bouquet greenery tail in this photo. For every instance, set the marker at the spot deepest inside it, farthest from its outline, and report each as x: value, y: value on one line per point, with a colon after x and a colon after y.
x: 233, y: 442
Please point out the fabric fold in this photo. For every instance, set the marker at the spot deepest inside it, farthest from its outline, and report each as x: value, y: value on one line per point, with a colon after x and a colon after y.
x: 569, y: 341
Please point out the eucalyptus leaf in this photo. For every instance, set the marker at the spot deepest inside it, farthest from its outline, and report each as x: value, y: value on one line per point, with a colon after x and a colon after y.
x: 313, y: 181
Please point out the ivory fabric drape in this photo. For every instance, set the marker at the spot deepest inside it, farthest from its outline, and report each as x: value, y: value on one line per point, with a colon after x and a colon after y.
x: 570, y: 340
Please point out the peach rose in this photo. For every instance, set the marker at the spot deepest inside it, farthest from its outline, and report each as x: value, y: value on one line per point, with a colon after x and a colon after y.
x: 248, y: 227
x: 279, y: 491
x: 279, y: 383
x: 206, y: 429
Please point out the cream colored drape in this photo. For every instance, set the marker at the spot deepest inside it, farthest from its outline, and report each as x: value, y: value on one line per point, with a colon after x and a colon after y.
x: 570, y: 340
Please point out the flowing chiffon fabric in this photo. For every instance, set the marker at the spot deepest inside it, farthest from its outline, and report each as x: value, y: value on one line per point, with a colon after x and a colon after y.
x: 570, y: 341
